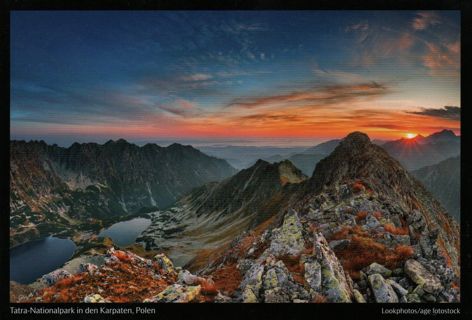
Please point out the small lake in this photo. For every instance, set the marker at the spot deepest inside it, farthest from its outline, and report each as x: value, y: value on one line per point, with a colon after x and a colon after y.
x: 125, y: 233
x: 34, y: 259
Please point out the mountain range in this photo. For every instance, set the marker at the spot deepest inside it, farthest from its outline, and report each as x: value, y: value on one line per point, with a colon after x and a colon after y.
x: 53, y: 187
x: 360, y: 228
x: 413, y: 153
x: 424, y: 151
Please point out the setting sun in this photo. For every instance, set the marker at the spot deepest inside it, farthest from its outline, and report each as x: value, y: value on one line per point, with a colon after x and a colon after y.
x: 410, y: 135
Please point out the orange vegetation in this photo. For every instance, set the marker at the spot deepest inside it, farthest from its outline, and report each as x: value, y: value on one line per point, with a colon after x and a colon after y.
x: 346, y: 231
x: 208, y: 287
x: 377, y: 214
x: 443, y: 251
x: 358, y: 186
x: 227, y: 278
x: 404, y: 251
x: 361, y: 215
x: 122, y: 282
x: 122, y: 256
x: 362, y: 251
x: 295, y: 267
x: 389, y: 227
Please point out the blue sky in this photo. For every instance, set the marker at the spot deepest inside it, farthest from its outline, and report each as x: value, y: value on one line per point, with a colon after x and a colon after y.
x: 91, y: 76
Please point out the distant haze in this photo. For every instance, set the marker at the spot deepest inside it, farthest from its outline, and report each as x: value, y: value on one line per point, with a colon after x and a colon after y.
x: 65, y: 141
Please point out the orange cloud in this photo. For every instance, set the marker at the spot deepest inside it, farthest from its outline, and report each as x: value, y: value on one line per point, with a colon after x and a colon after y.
x: 316, y: 96
x: 442, y: 58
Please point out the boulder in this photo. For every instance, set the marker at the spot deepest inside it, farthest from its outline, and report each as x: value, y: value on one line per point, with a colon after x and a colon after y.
x: 164, y: 263
x: 358, y: 297
x: 377, y: 268
x: 422, y: 277
x: 413, y: 298
x: 250, y: 294
x: 335, y: 284
x: 95, y: 298
x: 54, y: 276
x: 88, y: 267
x: 177, y: 293
x: 288, y: 239
x: 382, y: 290
x: 371, y: 222
x: 339, y: 244
x: 398, y: 288
x: 279, y: 286
x: 252, y: 283
x: 185, y: 277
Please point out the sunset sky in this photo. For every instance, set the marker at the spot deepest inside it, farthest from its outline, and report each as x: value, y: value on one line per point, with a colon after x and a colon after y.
x: 293, y: 76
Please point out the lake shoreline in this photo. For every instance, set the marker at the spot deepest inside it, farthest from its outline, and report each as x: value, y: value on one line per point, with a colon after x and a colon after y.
x: 82, y: 240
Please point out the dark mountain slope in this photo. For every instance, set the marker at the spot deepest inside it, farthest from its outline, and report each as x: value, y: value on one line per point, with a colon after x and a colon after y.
x: 216, y: 213
x: 53, y: 186
x: 443, y: 180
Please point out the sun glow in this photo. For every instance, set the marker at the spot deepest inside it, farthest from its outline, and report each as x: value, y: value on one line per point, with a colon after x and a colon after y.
x: 410, y: 135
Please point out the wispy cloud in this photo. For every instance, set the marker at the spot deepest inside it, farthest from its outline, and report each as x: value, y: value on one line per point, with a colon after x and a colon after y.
x: 425, y: 19
x: 316, y: 96
x: 447, y: 112
x: 183, y: 108
x: 337, y: 76
x: 361, y: 26
x: 442, y: 57
x: 197, y: 77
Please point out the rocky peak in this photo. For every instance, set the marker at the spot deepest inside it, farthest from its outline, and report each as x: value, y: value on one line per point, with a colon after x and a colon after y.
x: 289, y: 173
x: 356, y: 139
x: 357, y: 157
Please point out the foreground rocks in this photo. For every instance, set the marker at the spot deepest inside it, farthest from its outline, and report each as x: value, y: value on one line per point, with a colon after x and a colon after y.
x: 123, y: 277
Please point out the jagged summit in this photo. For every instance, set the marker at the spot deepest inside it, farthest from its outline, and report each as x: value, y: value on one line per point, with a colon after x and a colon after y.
x: 246, y: 189
x: 357, y: 157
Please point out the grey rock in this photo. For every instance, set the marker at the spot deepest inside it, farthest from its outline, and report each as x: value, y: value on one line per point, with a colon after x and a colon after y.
x: 185, y: 277
x: 413, y: 298
x: 429, y: 298
x: 382, y: 290
x: 377, y: 268
x: 54, y: 276
x: 371, y: 222
x: 398, y: 288
x: 397, y: 272
x: 177, y: 293
x: 288, y: 239
x: 419, y: 275
x: 276, y: 295
x: 358, y: 297
x: 339, y: 244
x: 313, y: 275
x: 336, y: 286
